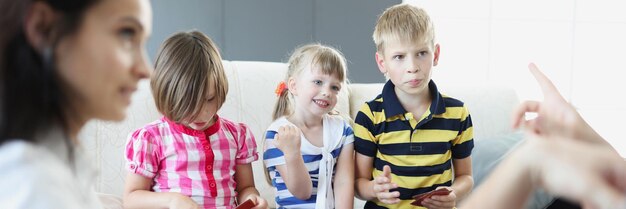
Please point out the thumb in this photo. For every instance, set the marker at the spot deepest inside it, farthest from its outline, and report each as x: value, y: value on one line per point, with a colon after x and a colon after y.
x: 387, y: 171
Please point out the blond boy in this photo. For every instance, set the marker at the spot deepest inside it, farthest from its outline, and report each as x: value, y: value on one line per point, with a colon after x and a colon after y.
x: 410, y: 137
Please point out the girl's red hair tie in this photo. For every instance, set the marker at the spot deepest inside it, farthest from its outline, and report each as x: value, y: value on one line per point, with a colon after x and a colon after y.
x: 280, y: 88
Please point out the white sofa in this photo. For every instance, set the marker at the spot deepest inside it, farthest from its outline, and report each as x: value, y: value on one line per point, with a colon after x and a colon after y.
x: 251, y: 99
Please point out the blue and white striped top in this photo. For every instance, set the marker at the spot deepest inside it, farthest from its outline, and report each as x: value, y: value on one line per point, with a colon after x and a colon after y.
x: 337, y: 133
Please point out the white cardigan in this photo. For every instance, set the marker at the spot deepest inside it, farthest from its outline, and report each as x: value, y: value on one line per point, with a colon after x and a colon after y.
x: 40, y: 176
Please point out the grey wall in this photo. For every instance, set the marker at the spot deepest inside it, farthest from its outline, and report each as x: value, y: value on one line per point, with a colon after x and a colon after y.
x: 268, y: 30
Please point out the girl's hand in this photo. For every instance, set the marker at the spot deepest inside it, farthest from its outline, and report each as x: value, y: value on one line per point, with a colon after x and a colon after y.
x: 441, y: 201
x: 179, y: 201
x: 259, y: 202
x: 287, y: 140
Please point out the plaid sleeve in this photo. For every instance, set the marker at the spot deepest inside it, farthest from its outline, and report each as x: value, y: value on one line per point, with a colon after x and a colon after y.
x: 246, y: 152
x: 463, y: 144
x: 142, y: 153
x: 364, y: 141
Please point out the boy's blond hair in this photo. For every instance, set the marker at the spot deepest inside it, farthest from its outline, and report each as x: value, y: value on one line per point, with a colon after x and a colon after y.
x: 405, y: 23
x: 187, y: 65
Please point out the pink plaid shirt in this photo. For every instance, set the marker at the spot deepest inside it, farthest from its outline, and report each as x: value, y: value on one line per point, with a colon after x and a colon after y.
x: 199, y: 164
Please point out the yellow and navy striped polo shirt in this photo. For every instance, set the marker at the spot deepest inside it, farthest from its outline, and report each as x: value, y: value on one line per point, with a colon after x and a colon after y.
x: 419, y: 152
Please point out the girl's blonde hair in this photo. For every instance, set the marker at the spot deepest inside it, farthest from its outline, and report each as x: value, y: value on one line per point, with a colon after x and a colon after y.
x: 187, y: 65
x: 327, y: 59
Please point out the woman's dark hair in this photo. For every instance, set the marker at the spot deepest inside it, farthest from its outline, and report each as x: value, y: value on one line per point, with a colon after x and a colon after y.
x: 31, y: 97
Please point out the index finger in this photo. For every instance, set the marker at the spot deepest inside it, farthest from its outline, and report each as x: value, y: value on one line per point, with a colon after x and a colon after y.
x: 547, y: 87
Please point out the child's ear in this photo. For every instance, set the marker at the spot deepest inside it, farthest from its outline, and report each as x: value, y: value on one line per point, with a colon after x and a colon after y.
x: 291, y: 86
x: 436, y: 57
x: 38, y: 25
x: 380, y: 62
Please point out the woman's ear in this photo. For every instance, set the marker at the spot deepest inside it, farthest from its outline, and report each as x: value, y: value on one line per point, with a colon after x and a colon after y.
x: 291, y: 86
x: 38, y: 25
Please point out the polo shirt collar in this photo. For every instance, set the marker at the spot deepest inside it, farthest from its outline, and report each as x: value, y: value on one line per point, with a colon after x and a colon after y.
x: 393, y: 107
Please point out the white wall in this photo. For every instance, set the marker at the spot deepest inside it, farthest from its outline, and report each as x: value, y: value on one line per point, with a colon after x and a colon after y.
x: 580, y: 45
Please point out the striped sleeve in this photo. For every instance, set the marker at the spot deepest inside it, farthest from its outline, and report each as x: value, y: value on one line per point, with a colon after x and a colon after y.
x: 272, y: 156
x: 364, y: 140
x: 463, y: 144
x: 348, y: 133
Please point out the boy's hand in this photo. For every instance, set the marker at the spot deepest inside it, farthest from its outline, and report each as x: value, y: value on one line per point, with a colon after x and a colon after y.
x: 382, y: 185
x: 441, y: 201
x: 287, y: 140
x: 180, y: 201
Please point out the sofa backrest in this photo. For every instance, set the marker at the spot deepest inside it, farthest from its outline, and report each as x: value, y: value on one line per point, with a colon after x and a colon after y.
x: 251, y: 99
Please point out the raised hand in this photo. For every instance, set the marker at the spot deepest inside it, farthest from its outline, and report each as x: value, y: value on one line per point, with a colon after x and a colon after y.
x: 382, y: 185
x: 287, y: 139
x: 555, y: 116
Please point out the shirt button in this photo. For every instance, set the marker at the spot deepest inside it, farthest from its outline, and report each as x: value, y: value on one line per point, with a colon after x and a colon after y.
x: 207, y: 147
x: 212, y: 184
x: 209, y: 167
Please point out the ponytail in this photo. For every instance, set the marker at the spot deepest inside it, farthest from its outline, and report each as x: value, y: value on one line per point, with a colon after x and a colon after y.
x: 283, y: 105
x: 282, y: 108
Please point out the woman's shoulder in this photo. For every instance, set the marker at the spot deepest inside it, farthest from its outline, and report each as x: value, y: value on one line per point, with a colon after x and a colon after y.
x: 38, y: 179
x: 18, y: 154
x: 25, y: 165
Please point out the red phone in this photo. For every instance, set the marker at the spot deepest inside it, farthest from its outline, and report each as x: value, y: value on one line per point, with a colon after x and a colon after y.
x: 246, y: 204
x: 421, y: 197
